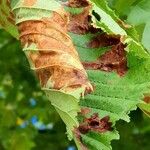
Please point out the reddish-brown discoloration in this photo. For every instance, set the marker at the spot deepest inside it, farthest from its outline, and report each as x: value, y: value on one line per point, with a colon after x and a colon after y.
x: 104, y: 40
x: 94, y: 123
x: 78, y: 3
x: 113, y: 60
x: 62, y: 76
x: 147, y: 99
x: 55, y: 49
x: 80, y: 23
x: 123, y: 24
x: 29, y: 2
x: 85, y: 111
x: 78, y: 137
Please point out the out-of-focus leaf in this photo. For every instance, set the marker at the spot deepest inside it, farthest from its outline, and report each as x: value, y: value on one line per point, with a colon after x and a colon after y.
x: 146, y: 36
x: 145, y: 107
x: 21, y: 142
x: 139, y: 15
x: 6, y: 18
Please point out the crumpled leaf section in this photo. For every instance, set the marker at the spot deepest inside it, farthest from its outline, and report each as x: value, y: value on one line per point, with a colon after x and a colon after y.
x: 48, y: 46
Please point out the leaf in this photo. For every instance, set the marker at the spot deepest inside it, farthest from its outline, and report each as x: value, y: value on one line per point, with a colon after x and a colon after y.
x: 142, y: 12
x: 145, y: 105
x: 21, y: 142
x: 145, y: 37
x: 99, y: 141
x: 52, y: 55
x: 6, y: 19
x: 123, y: 6
x: 67, y: 107
x: 115, y: 96
x: 90, y: 120
x: 146, y: 108
x: 44, y: 54
x: 107, y: 22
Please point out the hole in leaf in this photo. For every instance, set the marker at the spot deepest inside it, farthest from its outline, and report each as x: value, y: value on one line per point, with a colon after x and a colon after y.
x: 96, y: 15
x: 94, y: 123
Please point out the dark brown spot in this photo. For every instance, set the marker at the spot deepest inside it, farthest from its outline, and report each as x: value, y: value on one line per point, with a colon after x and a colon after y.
x: 104, y: 40
x: 113, y: 60
x: 44, y: 75
x: 79, y: 23
x: 147, y: 99
x: 89, y: 90
x: 94, y: 124
x: 84, y: 128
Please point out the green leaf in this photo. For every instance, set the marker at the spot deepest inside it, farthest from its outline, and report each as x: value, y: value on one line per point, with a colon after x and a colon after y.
x: 123, y: 6
x: 39, y: 10
x: 114, y: 96
x: 73, y: 11
x: 106, y: 22
x: 21, y: 142
x: 146, y: 37
x: 99, y: 141
x: 67, y: 107
x: 6, y: 20
x: 142, y: 12
x: 87, y: 54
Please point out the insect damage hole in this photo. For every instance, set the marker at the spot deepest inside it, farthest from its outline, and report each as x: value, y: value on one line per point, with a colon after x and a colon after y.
x: 94, y: 124
x: 96, y: 15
